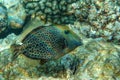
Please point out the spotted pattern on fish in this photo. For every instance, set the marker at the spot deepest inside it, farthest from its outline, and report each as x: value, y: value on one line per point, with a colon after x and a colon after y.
x: 48, y: 42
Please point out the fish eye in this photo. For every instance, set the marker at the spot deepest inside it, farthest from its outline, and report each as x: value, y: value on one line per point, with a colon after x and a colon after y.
x: 66, y: 31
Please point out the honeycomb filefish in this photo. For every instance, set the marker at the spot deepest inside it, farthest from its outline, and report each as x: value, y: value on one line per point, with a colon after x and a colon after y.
x: 47, y: 43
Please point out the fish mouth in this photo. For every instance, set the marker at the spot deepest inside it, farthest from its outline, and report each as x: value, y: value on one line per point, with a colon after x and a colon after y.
x: 80, y: 43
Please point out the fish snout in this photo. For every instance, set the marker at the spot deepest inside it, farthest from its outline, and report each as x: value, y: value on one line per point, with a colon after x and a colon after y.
x: 78, y: 43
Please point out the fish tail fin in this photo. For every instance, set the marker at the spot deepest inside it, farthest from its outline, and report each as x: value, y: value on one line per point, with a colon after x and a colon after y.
x: 15, y: 55
x: 15, y: 49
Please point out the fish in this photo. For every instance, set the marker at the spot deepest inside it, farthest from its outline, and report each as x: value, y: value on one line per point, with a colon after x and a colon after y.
x: 47, y: 43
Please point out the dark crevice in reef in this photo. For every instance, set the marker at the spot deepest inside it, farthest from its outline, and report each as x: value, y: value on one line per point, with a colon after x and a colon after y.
x: 9, y: 30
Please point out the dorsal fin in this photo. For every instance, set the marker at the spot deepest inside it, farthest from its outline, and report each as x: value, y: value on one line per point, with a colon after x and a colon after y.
x: 32, y: 24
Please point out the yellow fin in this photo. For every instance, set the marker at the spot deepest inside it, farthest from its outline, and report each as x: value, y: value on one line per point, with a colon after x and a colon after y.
x: 32, y: 24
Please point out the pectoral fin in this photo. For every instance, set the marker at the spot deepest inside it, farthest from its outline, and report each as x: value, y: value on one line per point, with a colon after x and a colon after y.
x: 43, y: 61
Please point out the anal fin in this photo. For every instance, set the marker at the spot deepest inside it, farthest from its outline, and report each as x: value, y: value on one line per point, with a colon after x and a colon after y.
x: 43, y: 61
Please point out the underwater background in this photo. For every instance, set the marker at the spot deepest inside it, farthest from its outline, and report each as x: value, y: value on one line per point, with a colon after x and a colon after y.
x: 96, y: 22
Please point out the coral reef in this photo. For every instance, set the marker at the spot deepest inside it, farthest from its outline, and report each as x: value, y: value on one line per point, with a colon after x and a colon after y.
x: 56, y: 11
x: 101, y: 61
x: 12, y: 17
x: 102, y: 19
x: 96, y: 21
x: 3, y: 18
x: 16, y: 13
x: 13, y: 13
